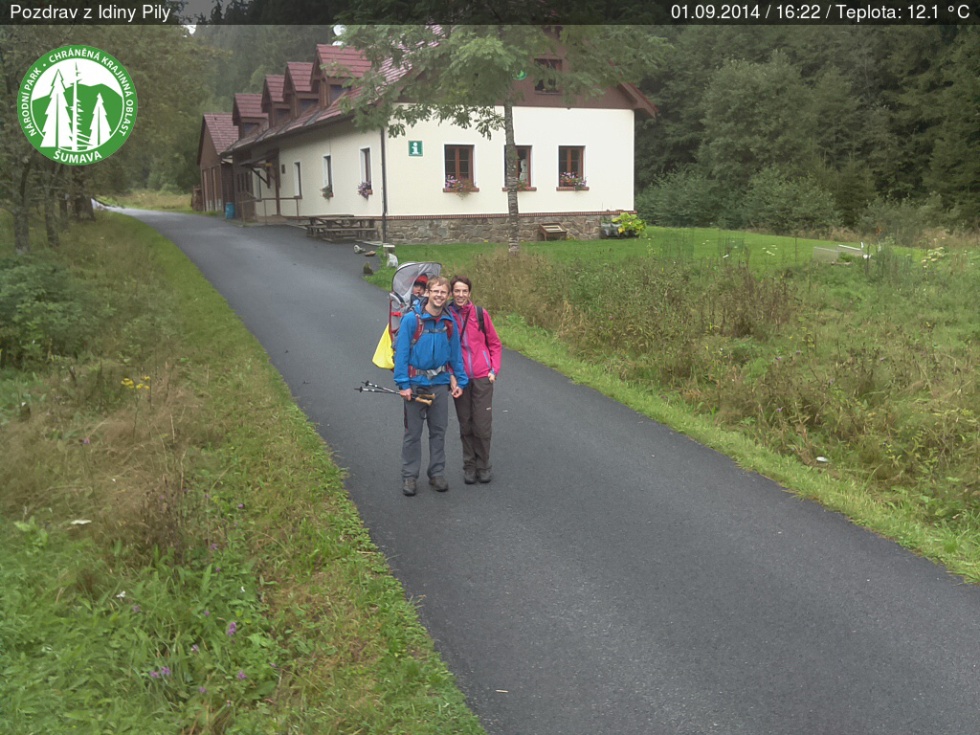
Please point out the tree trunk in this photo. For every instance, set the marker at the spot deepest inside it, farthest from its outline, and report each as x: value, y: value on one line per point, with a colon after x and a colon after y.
x: 51, y: 225
x: 21, y: 211
x: 83, y: 202
x: 510, y: 156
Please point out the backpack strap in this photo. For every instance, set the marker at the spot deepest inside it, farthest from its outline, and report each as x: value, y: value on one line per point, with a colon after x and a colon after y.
x: 419, y: 328
x: 479, y: 319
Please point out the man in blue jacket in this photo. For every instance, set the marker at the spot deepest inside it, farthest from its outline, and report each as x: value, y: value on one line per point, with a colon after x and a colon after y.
x: 428, y: 359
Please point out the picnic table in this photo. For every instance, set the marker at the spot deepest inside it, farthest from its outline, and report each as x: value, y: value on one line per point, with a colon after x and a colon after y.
x: 341, y: 227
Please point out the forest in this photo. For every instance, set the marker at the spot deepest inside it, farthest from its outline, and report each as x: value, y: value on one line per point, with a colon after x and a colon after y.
x: 777, y: 128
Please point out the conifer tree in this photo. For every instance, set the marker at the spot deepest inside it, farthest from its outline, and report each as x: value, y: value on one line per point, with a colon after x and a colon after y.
x: 100, y: 129
x: 57, y: 128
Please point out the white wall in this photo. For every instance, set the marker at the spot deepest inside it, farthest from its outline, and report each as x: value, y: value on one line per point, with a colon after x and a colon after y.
x: 415, y: 184
x: 343, y: 144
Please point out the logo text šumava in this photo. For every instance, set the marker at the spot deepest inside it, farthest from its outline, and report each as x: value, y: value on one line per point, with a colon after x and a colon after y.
x: 77, y: 105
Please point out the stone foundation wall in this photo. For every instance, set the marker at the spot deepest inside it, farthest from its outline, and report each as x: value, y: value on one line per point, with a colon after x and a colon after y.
x: 489, y: 228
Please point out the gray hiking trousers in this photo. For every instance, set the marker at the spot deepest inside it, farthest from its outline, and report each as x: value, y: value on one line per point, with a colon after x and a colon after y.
x: 474, y: 412
x: 437, y: 417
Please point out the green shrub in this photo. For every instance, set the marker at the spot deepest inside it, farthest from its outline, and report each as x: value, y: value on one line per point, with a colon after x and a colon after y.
x: 786, y: 205
x: 629, y: 225
x: 901, y: 221
x: 682, y: 199
x: 44, y: 312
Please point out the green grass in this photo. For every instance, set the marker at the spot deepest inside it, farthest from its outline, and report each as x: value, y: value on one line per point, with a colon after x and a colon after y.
x: 177, y: 551
x: 149, y: 199
x: 760, y: 251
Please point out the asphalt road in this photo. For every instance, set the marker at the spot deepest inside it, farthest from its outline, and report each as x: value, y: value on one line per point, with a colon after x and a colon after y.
x: 616, y: 578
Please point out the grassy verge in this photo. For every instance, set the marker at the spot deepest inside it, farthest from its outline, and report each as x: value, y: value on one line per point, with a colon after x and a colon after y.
x: 852, y: 384
x: 155, y: 200
x: 177, y: 551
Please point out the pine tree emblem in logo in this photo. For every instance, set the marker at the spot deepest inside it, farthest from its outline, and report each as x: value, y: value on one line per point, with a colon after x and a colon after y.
x: 77, y: 105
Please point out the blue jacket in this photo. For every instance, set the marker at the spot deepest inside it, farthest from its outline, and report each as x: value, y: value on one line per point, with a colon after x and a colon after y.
x: 432, y: 351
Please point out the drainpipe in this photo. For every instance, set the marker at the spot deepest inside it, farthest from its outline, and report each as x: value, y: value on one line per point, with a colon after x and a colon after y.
x: 384, y: 192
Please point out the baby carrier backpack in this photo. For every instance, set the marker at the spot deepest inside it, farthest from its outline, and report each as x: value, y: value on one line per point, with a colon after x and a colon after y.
x: 400, y: 301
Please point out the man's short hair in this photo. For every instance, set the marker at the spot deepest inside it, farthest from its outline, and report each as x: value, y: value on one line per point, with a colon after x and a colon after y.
x: 439, y: 280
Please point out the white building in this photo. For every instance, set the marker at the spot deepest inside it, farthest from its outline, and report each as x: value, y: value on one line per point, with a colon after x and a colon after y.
x: 438, y: 182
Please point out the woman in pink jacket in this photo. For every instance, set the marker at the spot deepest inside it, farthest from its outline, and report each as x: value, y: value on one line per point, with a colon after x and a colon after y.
x: 481, y: 357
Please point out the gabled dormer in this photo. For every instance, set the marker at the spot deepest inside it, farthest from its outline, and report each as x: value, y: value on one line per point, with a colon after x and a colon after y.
x: 296, y: 90
x: 273, y: 103
x: 327, y: 80
x: 247, y: 115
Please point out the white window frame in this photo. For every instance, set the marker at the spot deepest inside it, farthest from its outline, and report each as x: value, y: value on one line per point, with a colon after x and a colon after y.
x: 366, y: 165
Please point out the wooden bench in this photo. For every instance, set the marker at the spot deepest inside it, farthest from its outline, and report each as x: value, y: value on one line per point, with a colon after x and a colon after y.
x: 342, y: 227
x: 348, y: 233
x: 552, y: 231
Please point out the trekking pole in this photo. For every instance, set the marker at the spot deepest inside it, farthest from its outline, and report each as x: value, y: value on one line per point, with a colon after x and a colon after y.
x: 369, y: 387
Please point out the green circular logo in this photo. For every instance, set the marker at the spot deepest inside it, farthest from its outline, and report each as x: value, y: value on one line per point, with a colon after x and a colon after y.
x: 77, y: 105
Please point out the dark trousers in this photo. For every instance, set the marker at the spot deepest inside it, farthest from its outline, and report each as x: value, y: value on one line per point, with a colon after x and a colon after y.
x: 475, y: 415
x: 437, y: 417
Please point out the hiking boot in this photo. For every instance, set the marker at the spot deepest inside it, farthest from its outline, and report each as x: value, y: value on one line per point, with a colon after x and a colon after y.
x: 439, y: 483
x: 469, y: 475
x: 484, y: 475
x: 409, y: 485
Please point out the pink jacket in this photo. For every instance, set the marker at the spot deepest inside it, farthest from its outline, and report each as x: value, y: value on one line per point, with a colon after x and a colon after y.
x: 481, y: 351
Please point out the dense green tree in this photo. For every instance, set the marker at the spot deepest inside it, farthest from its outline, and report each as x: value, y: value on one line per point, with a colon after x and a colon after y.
x: 756, y: 116
x: 954, y: 166
x: 24, y: 173
x: 162, y: 147
x: 884, y: 111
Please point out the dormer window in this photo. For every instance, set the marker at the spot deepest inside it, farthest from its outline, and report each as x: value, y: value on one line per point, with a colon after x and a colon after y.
x: 549, y: 68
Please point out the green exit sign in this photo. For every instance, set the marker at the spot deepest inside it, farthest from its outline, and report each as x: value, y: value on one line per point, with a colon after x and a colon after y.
x: 415, y: 147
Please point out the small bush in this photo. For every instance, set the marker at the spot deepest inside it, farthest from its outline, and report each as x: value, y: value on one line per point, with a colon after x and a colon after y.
x: 682, y: 199
x: 44, y: 312
x: 901, y: 221
x: 784, y: 205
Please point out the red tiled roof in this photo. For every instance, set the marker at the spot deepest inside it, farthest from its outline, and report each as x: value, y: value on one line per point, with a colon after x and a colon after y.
x: 221, y: 129
x: 298, y: 74
x: 273, y: 88
x: 343, y: 56
x: 247, y: 106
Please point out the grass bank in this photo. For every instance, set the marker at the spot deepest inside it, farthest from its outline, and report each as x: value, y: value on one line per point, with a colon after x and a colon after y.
x: 177, y: 551
x: 853, y: 384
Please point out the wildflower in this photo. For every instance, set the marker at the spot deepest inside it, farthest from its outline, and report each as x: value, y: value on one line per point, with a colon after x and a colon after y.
x: 207, y: 613
x: 86, y: 441
x: 242, y: 676
x: 214, y: 547
x: 165, y: 671
x: 241, y: 506
x: 136, y: 608
x: 202, y: 690
x: 154, y: 674
x: 232, y: 628
x: 195, y: 649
